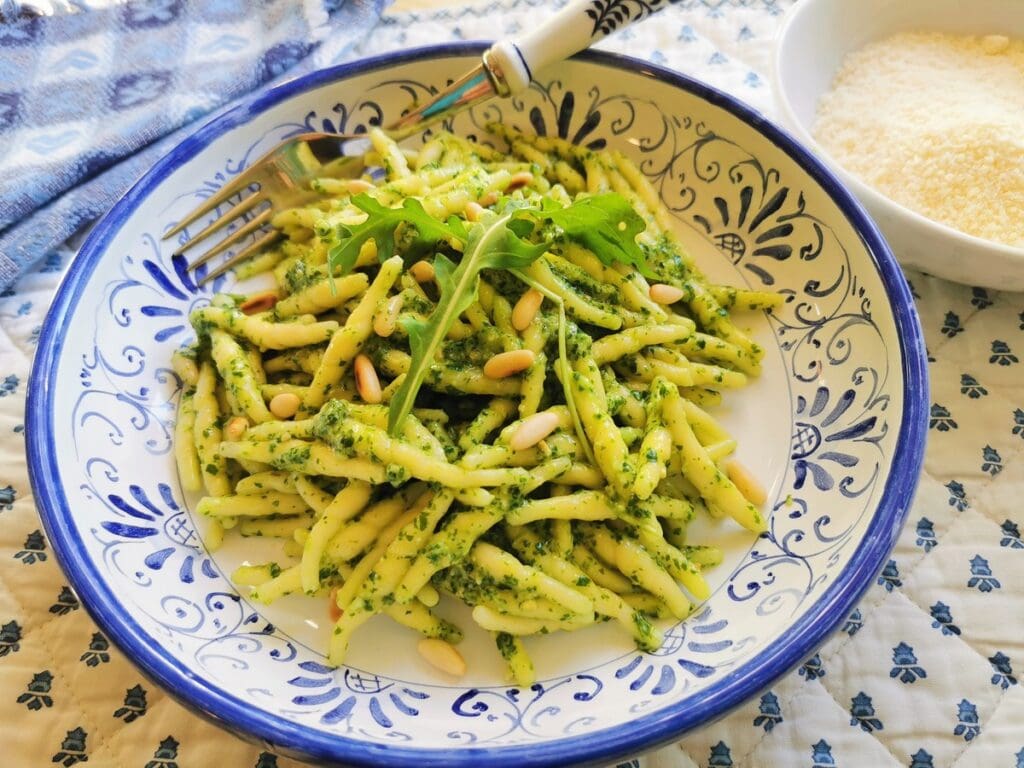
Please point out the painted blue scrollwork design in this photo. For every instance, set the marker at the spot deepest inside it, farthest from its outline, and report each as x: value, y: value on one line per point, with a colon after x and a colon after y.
x: 317, y: 689
x: 820, y: 434
x: 514, y: 710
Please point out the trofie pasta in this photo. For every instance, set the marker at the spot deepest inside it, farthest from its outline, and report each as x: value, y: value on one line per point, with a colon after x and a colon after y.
x: 483, y: 375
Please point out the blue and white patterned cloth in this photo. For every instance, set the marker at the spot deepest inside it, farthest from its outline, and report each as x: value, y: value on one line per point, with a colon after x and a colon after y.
x: 925, y: 673
x: 90, y: 99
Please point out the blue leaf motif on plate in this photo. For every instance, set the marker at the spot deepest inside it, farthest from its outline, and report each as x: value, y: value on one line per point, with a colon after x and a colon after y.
x: 821, y: 423
x: 169, y: 521
x: 661, y: 676
x: 701, y: 629
x: 357, y: 119
x: 129, y: 531
x: 177, y: 284
x: 356, y: 690
x: 563, y: 125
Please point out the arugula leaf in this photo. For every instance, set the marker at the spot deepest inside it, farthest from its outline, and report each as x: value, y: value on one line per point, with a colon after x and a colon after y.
x: 605, y: 224
x: 380, y: 225
x: 491, y: 246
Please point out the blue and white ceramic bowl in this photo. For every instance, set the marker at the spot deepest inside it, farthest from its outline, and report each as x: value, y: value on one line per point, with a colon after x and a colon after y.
x: 835, y: 428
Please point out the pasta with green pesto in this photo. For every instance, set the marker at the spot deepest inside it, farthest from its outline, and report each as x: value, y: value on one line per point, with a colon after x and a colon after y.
x: 483, y: 374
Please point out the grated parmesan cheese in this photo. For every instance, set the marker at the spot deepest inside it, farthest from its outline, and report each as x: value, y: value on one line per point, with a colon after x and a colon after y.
x: 935, y: 122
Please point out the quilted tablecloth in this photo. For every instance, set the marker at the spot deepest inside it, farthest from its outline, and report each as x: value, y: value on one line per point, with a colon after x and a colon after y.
x: 924, y: 673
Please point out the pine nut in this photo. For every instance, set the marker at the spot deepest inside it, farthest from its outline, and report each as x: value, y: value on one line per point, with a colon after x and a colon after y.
x: 532, y: 430
x: 488, y: 199
x: 442, y: 655
x: 333, y: 610
x: 518, y: 180
x: 285, y: 405
x: 355, y: 186
x: 661, y: 293
x: 526, y: 309
x: 474, y: 211
x: 385, y: 321
x: 367, y: 381
x: 508, y: 363
x: 259, y: 302
x: 746, y: 483
x: 235, y: 428
x: 422, y: 271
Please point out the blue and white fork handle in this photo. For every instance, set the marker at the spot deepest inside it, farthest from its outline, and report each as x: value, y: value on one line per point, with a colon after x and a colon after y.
x: 508, y: 66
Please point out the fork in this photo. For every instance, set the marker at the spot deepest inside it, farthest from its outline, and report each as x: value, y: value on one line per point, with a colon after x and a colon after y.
x: 281, y: 178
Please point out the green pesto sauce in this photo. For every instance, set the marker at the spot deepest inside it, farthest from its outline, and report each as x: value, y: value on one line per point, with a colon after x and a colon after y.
x: 506, y: 645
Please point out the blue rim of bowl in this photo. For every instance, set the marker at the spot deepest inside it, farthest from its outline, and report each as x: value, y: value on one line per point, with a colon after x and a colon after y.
x: 803, y: 639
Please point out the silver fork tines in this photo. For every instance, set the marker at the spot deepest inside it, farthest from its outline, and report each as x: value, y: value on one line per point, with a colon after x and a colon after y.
x: 275, y: 182
x: 245, y: 205
x: 234, y: 213
x: 282, y: 177
x: 238, y: 258
x: 229, y: 189
x: 234, y: 237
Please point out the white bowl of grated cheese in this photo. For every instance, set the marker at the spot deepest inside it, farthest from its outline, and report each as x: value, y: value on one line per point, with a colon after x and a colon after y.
x: 919, y: 105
